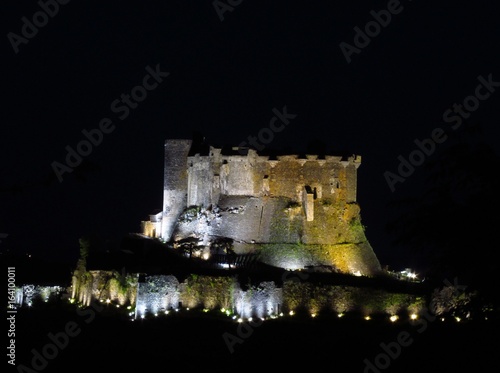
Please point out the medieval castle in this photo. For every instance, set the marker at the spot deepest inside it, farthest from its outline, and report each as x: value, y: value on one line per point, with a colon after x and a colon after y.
x: 294, y: 211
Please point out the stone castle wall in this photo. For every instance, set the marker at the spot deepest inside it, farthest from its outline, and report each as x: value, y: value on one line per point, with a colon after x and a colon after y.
x: 152, y: 295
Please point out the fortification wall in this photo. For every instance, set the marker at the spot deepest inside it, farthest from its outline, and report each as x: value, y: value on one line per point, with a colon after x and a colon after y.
x: 201, y: 180
x: 152, y: 295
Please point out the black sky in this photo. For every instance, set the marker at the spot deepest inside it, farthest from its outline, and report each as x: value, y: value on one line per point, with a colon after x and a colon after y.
x: 225, y: 79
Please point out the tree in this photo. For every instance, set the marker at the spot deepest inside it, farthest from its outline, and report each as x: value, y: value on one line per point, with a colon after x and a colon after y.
x: 190, y: 246
x: 224, y: 246
x: 84, y: 247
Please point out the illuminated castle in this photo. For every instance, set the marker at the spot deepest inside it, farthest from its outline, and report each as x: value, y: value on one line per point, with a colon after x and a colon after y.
x: 293, y: 211
x: 251, y: 235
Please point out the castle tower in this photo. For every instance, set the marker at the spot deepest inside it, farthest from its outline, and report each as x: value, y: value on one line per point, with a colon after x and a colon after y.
x: 175, y: 182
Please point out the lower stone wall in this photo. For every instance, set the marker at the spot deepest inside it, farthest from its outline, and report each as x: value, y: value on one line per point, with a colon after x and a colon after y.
x: 151, y: 295
x: 29, y: 294
x: 104, y: 286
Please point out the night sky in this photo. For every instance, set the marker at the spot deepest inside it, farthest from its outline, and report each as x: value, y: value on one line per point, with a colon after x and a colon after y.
x: 227, y: 71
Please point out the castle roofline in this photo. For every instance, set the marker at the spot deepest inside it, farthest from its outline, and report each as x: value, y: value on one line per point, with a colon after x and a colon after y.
x: 273, y: 155
x: 200, y: 147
